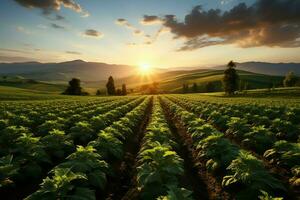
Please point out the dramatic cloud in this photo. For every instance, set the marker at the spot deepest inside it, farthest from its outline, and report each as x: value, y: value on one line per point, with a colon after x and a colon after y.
x: 48, y: 6
x: 73, y: 52
x: 150, y: 20
x: 93, y: 33
x: 56, y: 26
x: 273, y: 23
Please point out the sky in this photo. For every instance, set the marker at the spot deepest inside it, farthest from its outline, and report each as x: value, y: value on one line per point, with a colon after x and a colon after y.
x: 160, y: 33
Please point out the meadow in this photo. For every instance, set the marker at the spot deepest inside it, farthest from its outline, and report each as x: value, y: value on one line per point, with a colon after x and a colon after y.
x: 176, y: 146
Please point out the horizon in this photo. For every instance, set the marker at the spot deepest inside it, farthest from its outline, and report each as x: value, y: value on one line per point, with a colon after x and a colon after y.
x: 197, y: 33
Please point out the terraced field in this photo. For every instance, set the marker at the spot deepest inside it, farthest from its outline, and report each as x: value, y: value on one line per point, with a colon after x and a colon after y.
x: 149, y: 147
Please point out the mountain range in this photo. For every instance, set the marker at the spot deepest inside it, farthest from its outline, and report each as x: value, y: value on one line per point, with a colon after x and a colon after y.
x: 96, y: 71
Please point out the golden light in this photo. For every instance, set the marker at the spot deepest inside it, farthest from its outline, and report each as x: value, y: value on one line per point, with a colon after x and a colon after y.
x: 145, y: 68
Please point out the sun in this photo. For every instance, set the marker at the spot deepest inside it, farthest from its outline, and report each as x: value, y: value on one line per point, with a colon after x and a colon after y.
x: 145, y: 68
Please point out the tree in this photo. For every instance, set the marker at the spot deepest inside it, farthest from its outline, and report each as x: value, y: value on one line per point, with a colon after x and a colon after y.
x: 74, y: 87
x: 98, y: 93
x: 290, y: 80
x: 195, y: 87
x: 185, y: 88
x: 230, y: 79
x: 119, y: 92
x: 209, y: 87
x: 110, y: 86
x: 124, y: 90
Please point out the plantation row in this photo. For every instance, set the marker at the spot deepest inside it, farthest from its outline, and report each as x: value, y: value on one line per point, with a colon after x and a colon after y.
x: 166, y: 148
x: 27, y: 156
x: 232, y: 145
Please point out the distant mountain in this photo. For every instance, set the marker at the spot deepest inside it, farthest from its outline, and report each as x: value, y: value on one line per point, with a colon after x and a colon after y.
x: 279, y: 69
x: 86, y: 71
x: 95, y: 71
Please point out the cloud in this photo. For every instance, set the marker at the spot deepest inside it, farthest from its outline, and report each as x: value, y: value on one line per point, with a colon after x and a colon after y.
x: 124, y: 22
x: 56, y: 26
x: 73, y: 52
x: 150, y: 20
x: 93, y: 33
x: 48, y: 6
x: 273, y: 23
x: 22, y: 29
x: 59, y: 17
x: 13, y: 50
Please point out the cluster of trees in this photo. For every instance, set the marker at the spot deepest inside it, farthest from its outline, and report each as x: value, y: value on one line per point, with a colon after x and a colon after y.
x: 111, y: 89
x: 230, y: 82
x: 290, y: 80
x: 74, y: 88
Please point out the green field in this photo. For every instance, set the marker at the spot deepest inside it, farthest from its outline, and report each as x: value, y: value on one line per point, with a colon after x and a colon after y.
x: 193, y: 146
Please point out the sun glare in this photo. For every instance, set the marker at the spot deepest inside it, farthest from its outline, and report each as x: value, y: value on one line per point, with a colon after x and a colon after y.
x: 145, y: 68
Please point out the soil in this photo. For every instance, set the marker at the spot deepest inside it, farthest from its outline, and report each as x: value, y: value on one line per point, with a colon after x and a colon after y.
x: 203, y: 183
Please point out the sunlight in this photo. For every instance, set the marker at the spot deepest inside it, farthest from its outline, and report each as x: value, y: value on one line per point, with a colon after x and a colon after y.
x: 145, y: 68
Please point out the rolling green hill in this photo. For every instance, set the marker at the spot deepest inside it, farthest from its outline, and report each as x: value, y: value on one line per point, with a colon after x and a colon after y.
x: 20, y: 82
x: 172, y: 81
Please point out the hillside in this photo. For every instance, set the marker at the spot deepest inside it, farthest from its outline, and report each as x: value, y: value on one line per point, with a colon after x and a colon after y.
x: 62, y: 72
x: 30, y: 84
x: 279, y: 69
x: 95, y: 71
x: 172, y: 81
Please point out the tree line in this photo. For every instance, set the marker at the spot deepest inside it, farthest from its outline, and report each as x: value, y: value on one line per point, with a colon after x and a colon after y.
x: 75, y: 88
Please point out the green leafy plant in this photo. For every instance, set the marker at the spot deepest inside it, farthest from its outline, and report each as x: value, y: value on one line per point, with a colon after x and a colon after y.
x: 86, y: 161
x: 176, y: 193
x: 110, y: 147
x: 64, y: 184
x: 81, y: 133
x: 218, y: 150
x: 7, y: 170
x: 249, y: 171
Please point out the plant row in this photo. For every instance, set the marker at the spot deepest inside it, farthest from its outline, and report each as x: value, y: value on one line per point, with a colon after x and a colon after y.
x: 241, y: 173
x: 159, y: 166
x: 85, y: 172
x: 258, y: 139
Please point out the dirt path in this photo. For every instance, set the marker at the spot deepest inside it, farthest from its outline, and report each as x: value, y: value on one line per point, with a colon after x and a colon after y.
x: 204, y: 185
x: 123, y: 184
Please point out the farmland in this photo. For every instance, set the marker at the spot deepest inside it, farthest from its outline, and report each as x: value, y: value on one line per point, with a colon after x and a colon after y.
x: 150, y: 147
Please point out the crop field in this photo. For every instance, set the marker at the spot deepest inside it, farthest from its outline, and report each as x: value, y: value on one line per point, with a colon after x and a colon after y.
x: 165, y: 147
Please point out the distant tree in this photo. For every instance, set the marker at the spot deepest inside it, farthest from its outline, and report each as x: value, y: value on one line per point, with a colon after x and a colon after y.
x: 195, y: 87
x: 290, y: 80
x: 209, y: 87
x: 124, y: 90
x: 185, y: 88
x: 74, y: 87
x: 98, y: 93
x: 118, y: 92
x: 110, y: 86
x: 230, y: 79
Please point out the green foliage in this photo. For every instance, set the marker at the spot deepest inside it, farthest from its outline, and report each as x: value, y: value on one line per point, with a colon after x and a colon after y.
x: 266, y: 196
x: 284, y: 129
x: 109, y: 146
x: 295, y: 180
x: 86, y: 161
x: 74, y: 87
x: 248, y: 170
x: 218, y: 150
x: 48, y: 126
x: 63, y: 186
x: 7, y: 170
x: 176, y: 193
x: 160, y: 168
x: 290, y: 80
x: 284, y: 153
x: 57, y: 144
x: 230, y: 79
x: 110, y: 86
x: 259, y: 138
x: 82, y: 132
